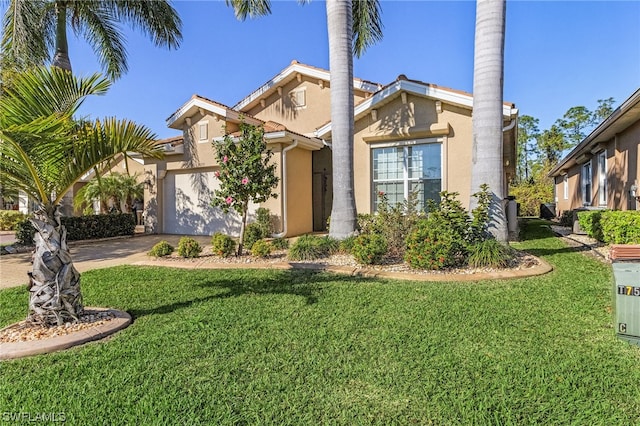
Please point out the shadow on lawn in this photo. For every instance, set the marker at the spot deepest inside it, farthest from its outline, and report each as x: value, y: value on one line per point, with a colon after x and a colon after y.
x: 304, y: 283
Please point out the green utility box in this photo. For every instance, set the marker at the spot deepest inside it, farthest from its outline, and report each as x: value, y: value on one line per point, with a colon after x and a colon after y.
x: 626, y: 289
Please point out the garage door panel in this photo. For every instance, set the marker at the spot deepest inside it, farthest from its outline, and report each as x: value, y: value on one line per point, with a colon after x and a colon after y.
x: 187, y: 206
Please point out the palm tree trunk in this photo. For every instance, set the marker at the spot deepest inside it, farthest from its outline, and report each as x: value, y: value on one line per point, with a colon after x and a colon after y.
x: 488, y: 72
x: 61, y: 57
x: 340, y: 23
x: 54, y: 283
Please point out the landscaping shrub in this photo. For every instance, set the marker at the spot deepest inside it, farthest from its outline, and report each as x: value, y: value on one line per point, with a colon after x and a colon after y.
x: 222, y: 245
x: 620, y: 227
x: 435, y: 245
x: 9, y: 219
x: 310, y: 247
x: 346, y: 245
x: 188, y: 247
x: 369, y: 249
x: 280, y: 243
x: 590, y: 222
x: 84, y: 227
x: 163, y: 248
x: 24, y: 233
x: 489, y: 254
x: 261, y: 248
x: 259, y: 229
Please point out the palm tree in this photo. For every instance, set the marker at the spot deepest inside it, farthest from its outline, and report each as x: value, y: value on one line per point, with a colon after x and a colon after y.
x: 352, y: 27
x: 44, y: 152
x: 488, y: 71
x: 115, y: 187
x: 35, y: 28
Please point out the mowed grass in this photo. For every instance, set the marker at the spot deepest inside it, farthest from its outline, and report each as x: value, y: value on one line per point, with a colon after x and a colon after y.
x: 297, y: 347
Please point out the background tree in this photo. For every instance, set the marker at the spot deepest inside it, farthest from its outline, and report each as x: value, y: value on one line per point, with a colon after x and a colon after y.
x: 602, y: 111
x: 35, y: 31
x: 116, y: 190
x: 488, y: 70
x: 44, y: 152
x: 245, y: 175
x: 528, y: 133
x: 352, y: 27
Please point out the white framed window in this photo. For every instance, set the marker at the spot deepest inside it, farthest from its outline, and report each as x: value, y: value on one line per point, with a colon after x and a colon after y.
x: 602, y: 178
x: 565, y: 186
x: 298, y: 97
x: 586, y: 184
x: 411, y: 166
x: 203, y: 131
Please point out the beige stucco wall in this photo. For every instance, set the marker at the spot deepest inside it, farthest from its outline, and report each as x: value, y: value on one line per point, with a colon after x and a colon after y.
x: 416, y: 119
x: 317, y: 111
x: 299, y: 202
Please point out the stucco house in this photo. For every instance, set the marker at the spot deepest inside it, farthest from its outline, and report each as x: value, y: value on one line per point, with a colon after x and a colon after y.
x: 602, y: 170
x: 409, y: 135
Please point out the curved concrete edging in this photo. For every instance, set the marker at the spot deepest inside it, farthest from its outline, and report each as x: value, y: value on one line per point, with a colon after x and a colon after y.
x: 542, y: 268
x: 15, y: 350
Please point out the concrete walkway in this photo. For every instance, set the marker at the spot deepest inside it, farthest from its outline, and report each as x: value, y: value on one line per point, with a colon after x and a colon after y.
x: 90, y: 255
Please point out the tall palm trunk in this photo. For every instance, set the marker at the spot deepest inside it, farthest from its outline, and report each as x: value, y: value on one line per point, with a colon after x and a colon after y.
x: 339, y: 23
x: 488, y: 71
x: 54, y: 284
x: 61, y: 57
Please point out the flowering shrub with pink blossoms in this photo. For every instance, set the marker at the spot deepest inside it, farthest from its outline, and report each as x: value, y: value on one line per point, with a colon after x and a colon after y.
x: 246, y: 173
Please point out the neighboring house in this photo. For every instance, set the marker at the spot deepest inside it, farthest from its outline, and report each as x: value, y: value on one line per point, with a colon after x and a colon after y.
x: 602, y: 170
x: 409, y: 136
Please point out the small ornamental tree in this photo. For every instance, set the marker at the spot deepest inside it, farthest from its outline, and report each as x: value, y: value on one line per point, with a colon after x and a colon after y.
x: 245, y: 174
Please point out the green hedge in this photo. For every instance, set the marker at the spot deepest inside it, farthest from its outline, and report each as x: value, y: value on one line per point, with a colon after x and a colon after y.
x: 590, y: 222
x: 85, y: 227
x: 9, y: 219
x: 612, y: 227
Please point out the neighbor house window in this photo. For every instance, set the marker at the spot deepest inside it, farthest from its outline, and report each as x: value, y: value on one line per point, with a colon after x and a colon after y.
x: 298, y: 98
x: 602, y: 178
x: 565, y: 185
x: 203, y: 131
x: 586, y: 184
x: 401, y: 170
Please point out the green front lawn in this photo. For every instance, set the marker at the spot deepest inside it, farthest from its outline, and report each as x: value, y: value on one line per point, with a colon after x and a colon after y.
x: 298, y: 347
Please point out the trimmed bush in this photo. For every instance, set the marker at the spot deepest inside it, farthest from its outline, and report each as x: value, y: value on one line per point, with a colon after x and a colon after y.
x: 280, y: 243
x: 222, y: 245
x: 84, y: 227
x: 261, y: 248
x: 9, y: 219
x: 259, y: 229
x: 435, y: 244
x: 620, y: 227
x: 489, y: 254
x: 188, y: 247
x: 369, y: 249
x: 590, y: 222
x: 310, y: 247
x: 346, y: 245
x: 161, y: 249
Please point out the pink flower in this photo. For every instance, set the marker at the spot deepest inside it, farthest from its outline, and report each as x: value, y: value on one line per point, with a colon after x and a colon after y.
x: 225, y: 159
x: 229, y: 200
x: 217, y: 173
x: 380, y: 193
x: 245, y: 181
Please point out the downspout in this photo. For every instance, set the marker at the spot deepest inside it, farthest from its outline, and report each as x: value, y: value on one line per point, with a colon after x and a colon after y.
x: 284, y: 190
x: 510, y: 126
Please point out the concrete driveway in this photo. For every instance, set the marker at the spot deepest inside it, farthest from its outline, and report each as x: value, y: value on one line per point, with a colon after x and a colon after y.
x: 90, y: 255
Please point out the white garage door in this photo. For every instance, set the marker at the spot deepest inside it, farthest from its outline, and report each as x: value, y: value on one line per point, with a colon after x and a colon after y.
x: 187, y: 206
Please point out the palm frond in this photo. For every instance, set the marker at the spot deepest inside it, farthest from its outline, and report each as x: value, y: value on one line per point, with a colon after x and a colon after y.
x: 367, y: 25
x: 98, y: 24
x: 250, y: 8
x: 25, y: 38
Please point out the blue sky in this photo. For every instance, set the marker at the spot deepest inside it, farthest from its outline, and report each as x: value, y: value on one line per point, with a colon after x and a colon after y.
x: 557, y: 55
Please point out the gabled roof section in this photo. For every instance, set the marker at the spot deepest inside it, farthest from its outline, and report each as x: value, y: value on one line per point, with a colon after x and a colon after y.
x: 415, y: 87
x: 290, y: 73
x: 201, y: 104
x: 278, y: 133
x: 621, y: 118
